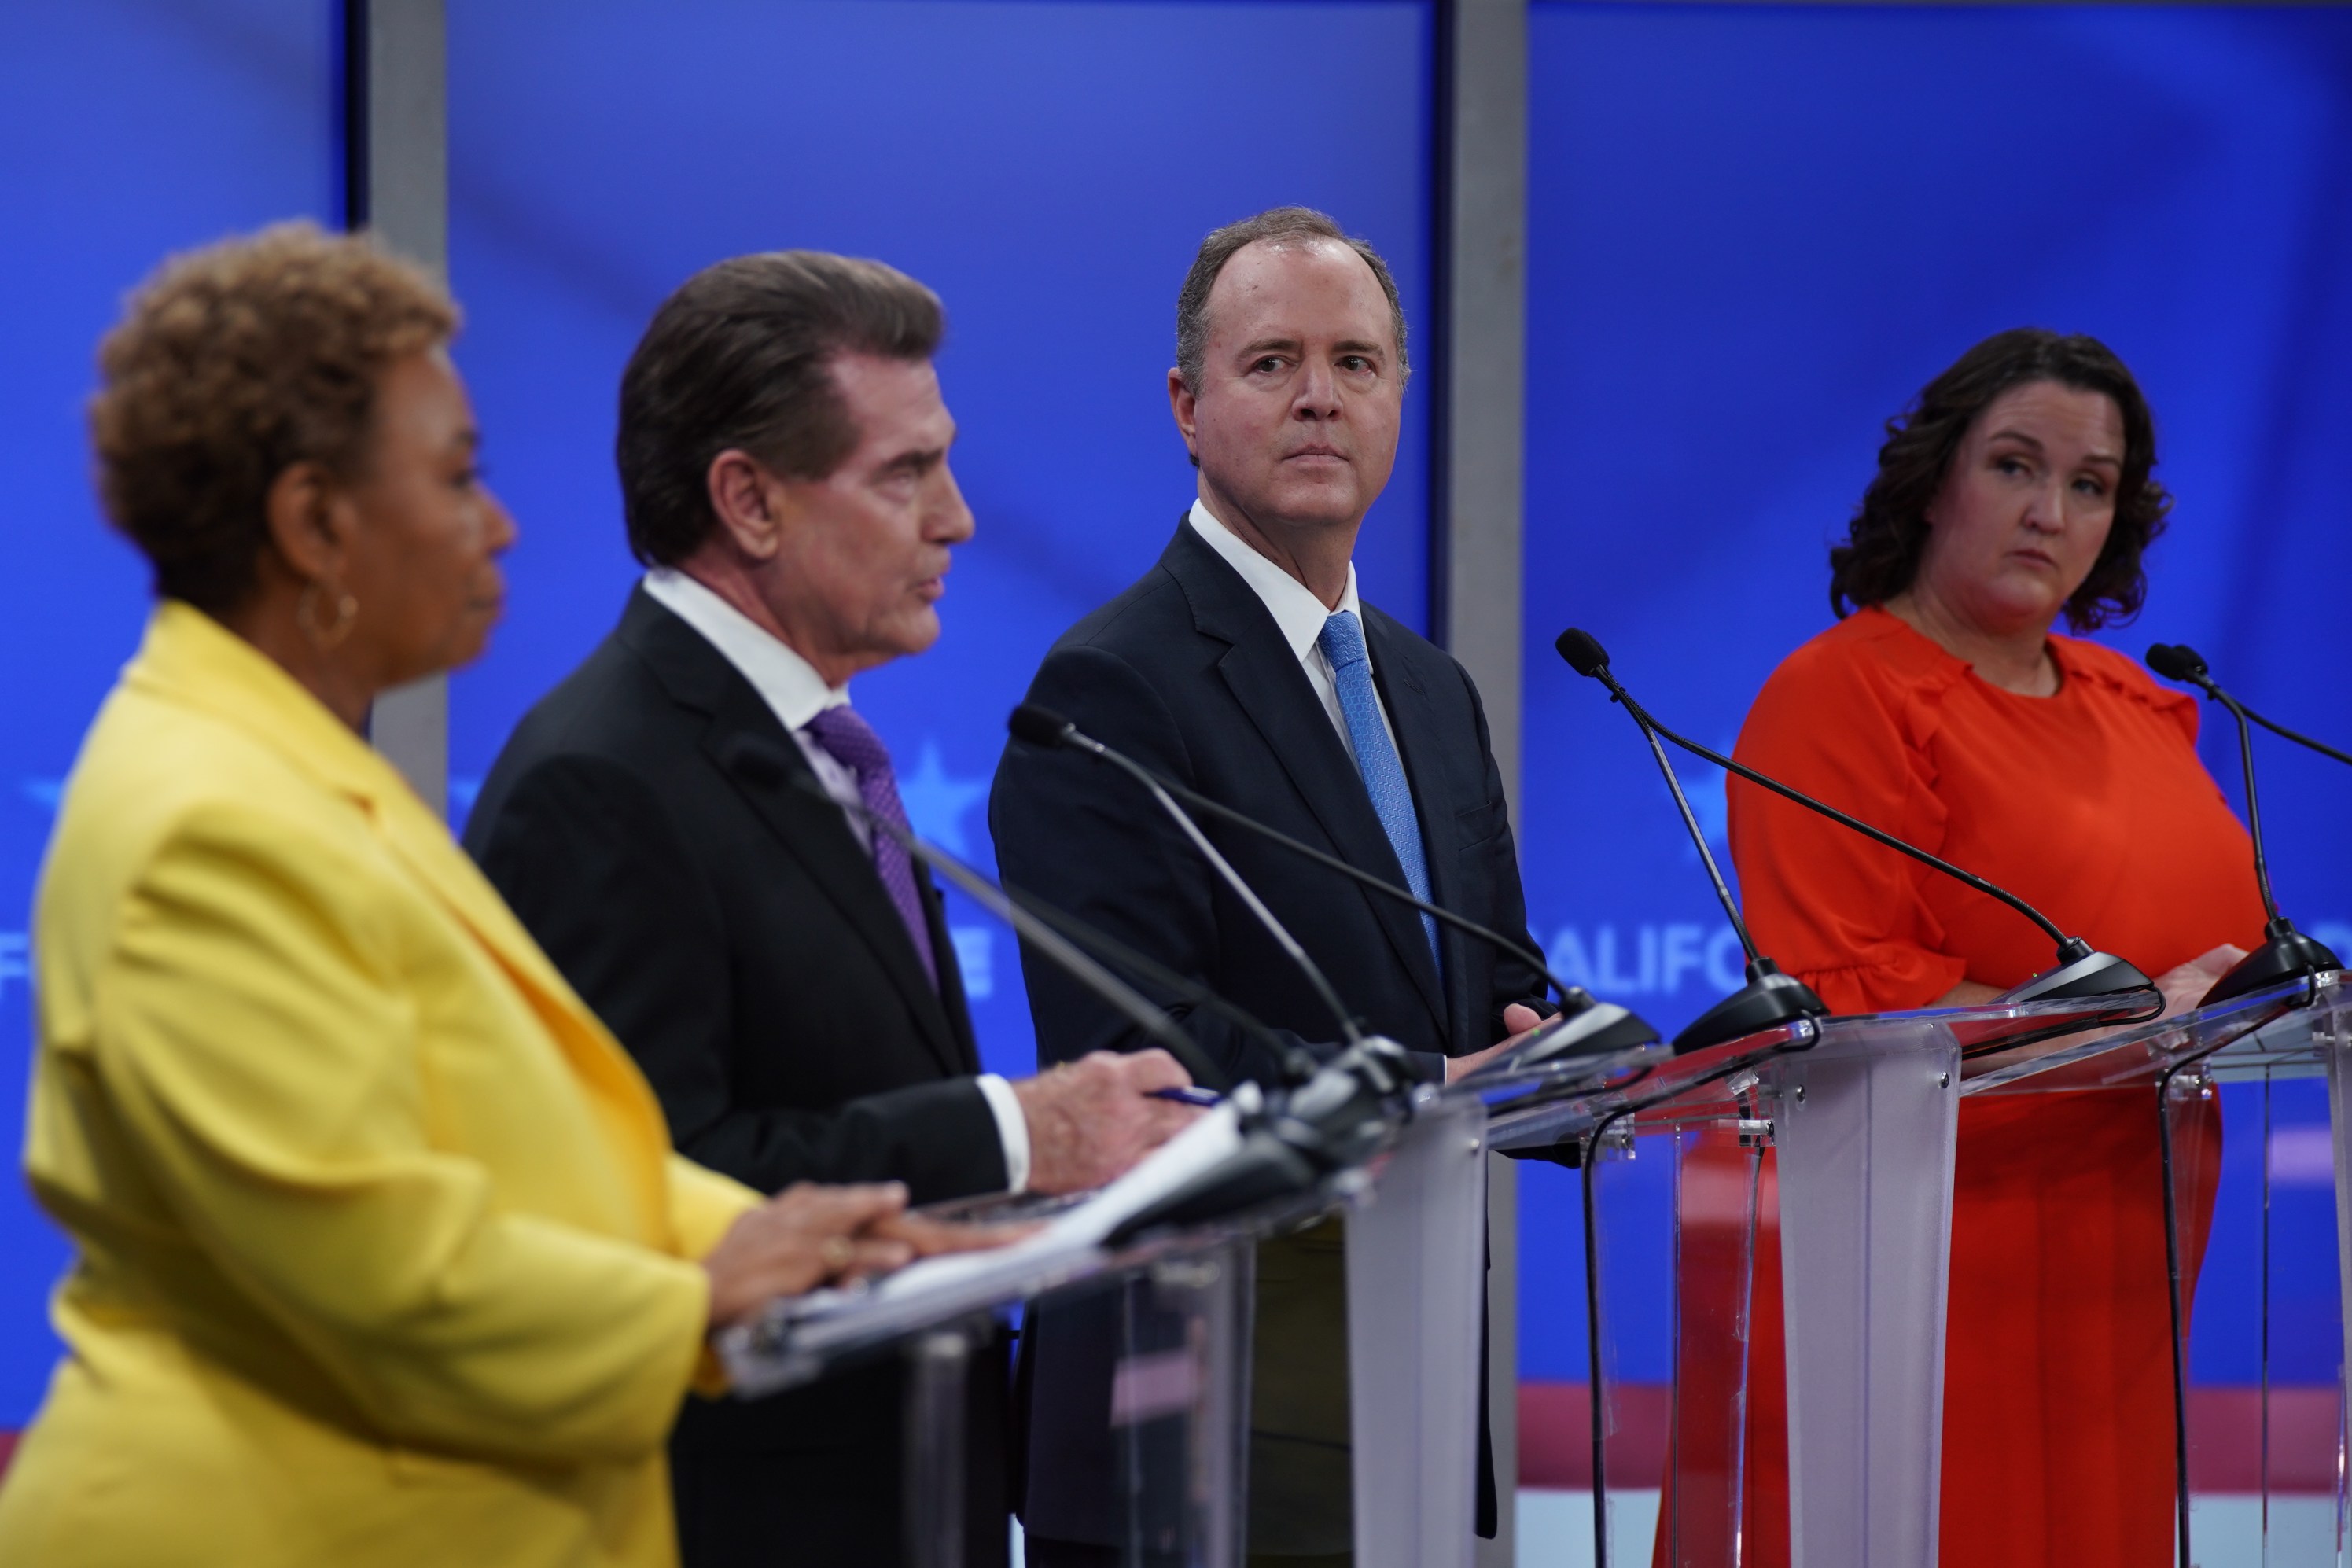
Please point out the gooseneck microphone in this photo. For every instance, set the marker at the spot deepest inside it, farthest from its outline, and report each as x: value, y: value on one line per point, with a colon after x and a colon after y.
x: 1588, y: 1028
x: 1770, y: 998
x: 1334, y: 1116
x: 1035, y: 931
x: 2081, y: 971
x: 2286, y: 952
x: 1046, y: 730
x: 2185, y: 664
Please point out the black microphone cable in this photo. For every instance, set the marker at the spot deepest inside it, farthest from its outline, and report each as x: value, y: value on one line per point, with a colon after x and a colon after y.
x: 1044, y: 728
x: 2285, y: 951
x: 2185, y: 664
x: 1583, y: 1026
x: 756, y: 761
x: 1062, y: 732
x: 1769, y: 997
x: 2081, y: 970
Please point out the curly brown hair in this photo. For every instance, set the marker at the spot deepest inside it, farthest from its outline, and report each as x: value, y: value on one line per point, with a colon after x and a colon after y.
x: 230, y: 364
x: 1889, y: 531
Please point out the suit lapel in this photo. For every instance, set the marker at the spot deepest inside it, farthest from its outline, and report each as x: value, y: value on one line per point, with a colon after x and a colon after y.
x: 621, y: 1093
x: 1265, y: 678
x: 747, y: 743
x: 193, y: 659
x: 957, y: 1006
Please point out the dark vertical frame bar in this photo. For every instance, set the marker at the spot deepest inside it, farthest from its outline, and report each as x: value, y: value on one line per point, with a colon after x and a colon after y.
x: 1437, y: 332
x: 397, y: 188
x: 352, y: 95
x: 1473, y: 372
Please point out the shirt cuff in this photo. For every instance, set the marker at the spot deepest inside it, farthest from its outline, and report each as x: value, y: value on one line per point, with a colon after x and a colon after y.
x: 1012, y: 1127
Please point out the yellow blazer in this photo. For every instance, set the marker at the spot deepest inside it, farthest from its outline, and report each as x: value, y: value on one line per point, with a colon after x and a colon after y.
x: 382, y: 1254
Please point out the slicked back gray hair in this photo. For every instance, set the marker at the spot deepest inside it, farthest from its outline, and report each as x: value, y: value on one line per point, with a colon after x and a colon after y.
x: 1278, y: 226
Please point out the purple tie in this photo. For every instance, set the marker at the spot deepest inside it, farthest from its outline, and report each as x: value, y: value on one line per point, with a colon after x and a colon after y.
x: 853, y: 743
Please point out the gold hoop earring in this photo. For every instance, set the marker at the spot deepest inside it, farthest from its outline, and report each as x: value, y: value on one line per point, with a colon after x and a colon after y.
x: 326, y: 639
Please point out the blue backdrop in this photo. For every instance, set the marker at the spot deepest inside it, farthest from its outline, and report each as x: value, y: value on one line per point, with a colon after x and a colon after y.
x: 127, y: 131
x: 1049, y: 168
x: 1755, y: 232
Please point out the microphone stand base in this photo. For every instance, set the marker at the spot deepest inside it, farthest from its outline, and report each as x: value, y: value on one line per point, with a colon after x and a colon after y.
x: 2094, y: 974
x: 2286, y: 954
x: 1766, y: 1002
x: 1600, y: 1030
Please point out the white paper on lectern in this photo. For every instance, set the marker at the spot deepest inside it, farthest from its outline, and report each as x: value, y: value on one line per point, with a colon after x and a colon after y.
x: 1215, y: 1137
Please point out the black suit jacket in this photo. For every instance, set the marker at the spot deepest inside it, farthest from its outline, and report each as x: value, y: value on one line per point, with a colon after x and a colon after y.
x: 646, y: 823
x: 1188, y: 672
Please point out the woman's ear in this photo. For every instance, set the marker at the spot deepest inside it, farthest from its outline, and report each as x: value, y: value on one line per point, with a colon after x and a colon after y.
x: 307, y: 514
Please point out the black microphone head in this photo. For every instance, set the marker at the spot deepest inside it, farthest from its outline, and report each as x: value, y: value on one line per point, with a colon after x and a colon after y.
x: 1583, y: 651
x: 2174, y: 662
x: 1039, y: 726
x: 2198, y: 669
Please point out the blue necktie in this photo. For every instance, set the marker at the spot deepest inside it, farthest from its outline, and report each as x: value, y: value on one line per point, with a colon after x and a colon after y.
x: 1342, y: 642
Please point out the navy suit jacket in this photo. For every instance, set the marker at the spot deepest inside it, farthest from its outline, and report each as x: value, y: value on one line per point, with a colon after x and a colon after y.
x: 1188, y: 672
x: 646, y: 823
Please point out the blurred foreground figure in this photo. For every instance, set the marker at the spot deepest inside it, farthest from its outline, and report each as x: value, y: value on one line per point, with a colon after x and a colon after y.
x: 381, y: 1253
x: 1942, y: 708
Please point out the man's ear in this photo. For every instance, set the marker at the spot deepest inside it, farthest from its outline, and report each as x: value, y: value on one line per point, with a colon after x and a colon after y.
x: 1185, y: 406
x: 749, y: 502
x: 309, y: 521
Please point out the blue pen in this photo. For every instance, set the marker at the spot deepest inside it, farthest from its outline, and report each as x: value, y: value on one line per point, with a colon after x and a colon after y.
x: 1199, y: 1096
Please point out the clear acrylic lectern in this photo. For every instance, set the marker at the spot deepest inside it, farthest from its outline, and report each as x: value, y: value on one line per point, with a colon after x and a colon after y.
x: 1181, y: 1394
x: 1860, y: 1113
x: 2298, y: 1028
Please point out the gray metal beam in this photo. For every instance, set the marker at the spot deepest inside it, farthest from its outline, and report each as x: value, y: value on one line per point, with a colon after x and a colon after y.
x: 1484, y: 186
x: 398, y: 52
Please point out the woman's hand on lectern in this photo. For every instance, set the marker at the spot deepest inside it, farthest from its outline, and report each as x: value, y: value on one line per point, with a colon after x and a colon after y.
x: 2184, y: 986
x: 808, y: 1235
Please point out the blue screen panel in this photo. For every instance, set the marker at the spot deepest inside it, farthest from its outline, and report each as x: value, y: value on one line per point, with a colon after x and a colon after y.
x: 1755, y: 232
x: 1049, y: 168
x: 127, y: 131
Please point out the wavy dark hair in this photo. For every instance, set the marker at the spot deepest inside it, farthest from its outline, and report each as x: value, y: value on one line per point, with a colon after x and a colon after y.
x: 1889, y: 531
x: 742, y: 355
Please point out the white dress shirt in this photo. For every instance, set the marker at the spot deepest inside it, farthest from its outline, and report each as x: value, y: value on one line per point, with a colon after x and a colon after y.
x: 796, y: 693
x: 1298, y: 613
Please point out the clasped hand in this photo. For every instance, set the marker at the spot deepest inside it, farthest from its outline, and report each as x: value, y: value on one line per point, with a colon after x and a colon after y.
x: 809, y: 1235
x: 1519, y: 1019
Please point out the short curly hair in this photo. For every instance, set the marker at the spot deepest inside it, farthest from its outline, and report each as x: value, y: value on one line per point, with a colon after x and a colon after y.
x: 1888, y: 534
x: 232, y: 363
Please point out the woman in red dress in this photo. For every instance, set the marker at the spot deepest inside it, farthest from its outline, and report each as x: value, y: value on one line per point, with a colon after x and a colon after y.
x: 1941, y: 708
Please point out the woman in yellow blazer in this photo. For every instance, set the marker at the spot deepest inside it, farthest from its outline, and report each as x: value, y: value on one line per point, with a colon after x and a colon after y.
x: 382, y: 1254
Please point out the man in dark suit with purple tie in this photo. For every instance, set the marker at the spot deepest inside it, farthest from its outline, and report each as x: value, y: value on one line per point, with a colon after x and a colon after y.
x: 782, y: 972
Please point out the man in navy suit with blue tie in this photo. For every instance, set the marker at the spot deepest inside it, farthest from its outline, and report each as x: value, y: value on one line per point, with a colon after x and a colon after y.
x: 1244, y: 664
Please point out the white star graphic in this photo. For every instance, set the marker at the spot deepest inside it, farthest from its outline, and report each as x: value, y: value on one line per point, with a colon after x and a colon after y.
x: 935, y: 802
